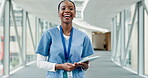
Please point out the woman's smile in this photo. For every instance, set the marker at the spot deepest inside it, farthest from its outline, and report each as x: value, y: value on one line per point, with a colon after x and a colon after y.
x: 67, y: 16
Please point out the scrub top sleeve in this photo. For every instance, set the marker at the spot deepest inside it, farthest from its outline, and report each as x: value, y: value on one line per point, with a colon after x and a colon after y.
x: 87, y: 47
x: 44, y: 44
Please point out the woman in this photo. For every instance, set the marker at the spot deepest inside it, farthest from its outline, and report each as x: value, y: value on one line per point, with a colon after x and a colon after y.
x: 64, y: 46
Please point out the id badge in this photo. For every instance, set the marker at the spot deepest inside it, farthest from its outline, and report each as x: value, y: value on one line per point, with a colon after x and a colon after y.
x: 69, y: 74
x: 65, y: 74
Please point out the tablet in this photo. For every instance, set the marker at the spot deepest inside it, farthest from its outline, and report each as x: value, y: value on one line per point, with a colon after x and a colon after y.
x: 89, y: 59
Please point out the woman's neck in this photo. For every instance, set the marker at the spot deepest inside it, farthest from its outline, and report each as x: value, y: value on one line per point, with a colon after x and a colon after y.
x: 66, y: 29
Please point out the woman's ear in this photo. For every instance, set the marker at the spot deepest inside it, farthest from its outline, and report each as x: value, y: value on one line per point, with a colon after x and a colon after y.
x: 58, y: 14
x: 75, y: 14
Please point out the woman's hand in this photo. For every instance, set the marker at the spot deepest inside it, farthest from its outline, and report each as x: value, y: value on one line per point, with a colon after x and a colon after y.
x: 70, y: 67
x: 84, y: 65
x: 66, y: 66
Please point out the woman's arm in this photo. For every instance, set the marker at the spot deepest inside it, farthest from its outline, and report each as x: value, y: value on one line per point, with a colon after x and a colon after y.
x: 43, y: 64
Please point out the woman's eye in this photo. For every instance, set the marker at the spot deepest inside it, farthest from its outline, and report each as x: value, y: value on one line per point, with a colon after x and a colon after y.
x: 71, y: 8
x: 63, y: 8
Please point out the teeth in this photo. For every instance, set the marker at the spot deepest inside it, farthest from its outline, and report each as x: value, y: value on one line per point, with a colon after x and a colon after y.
x: 66, y: 15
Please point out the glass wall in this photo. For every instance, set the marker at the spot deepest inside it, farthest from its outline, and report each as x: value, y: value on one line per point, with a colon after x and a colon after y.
x: 1, y: 46
x: 132, y: 49
x: 118, y: 35
x: 16, y: 38
x: 128, y: 20
x: 30, y: 38
x: 130, y: 53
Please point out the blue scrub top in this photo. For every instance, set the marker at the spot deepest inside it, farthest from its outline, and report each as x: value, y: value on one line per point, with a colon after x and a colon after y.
x: 51, y: 45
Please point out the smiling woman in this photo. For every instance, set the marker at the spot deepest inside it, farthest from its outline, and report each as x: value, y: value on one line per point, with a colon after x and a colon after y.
x: 64, y: 46
x: 66, y: 11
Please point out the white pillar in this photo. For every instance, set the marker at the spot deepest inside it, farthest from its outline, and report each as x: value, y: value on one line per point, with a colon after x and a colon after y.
x: 6, y: 39
x: 140, y: 38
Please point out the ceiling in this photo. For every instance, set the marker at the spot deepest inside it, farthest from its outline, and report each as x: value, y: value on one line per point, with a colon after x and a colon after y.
x: 97, y: 13
x: 100, y: 12
x: 44, y: 9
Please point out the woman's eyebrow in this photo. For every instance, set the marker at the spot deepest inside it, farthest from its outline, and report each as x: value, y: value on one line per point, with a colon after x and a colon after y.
x: 67, y: 6
x: 62, y: 6
x: 70, y: 6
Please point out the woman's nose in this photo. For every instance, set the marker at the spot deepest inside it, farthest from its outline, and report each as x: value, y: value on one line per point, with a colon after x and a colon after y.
x: 67, y: 10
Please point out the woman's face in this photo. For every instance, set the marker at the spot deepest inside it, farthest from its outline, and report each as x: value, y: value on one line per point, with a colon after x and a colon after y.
x: 66, y: 12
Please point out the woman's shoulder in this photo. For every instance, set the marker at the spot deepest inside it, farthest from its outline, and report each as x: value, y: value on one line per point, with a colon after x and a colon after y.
x: 79, y: 32
x: 51, y: 29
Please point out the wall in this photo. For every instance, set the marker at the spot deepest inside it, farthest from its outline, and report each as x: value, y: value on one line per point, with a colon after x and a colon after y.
x: 98, y: 40
x: 108, y: 41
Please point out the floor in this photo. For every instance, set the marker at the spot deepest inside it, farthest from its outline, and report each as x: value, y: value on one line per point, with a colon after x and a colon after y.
x: 100, y: 68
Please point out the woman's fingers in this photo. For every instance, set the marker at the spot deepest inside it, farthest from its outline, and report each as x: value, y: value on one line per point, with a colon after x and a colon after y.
x: 71, y: 67
x: 84, y: 65
x: 87, y: 62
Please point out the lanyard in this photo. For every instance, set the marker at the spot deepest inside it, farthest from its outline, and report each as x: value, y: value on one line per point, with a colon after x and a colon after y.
x: 66, y: 53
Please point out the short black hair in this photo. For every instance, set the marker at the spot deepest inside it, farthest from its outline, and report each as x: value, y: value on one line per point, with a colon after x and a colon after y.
x: 66, y: 0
